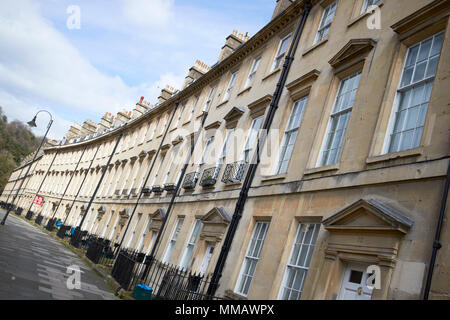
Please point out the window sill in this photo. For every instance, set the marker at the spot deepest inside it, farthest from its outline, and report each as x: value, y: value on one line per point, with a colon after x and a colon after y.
x: 173, y: 129
x: 159, y: 136
x: 185, y: 123
x: 395, y: 155
x: 233, y: 184
x: 222, y: 103
x: 273, y: 177
x: 245, y: 90
x: 271, y: 74
x: 318, y: 44
x: 363, y: 15
x: 332, y: 167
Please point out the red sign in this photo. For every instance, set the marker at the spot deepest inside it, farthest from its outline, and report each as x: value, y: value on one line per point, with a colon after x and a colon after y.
x: 39, y: 200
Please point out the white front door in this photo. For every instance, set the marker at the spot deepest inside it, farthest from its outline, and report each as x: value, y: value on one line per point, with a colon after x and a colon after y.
x: 208, y: 254
x: 354, y: 285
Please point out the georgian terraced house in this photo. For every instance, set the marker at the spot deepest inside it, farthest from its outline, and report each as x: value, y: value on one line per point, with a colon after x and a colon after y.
x: 352, y: 173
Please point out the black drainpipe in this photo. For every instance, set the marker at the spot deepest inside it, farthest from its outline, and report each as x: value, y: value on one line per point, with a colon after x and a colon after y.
x: 148, y: 176
x: 75, y: 240
x: 81, y: 185
x: 42, y: 182
x: 436, y: 244
x: 50, y: 222
x: 256, y: 158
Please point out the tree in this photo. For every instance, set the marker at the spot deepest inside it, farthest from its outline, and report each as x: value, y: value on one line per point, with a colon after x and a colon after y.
x: 16, y: 141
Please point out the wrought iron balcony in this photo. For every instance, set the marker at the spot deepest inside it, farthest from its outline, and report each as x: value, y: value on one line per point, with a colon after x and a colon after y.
x: 169, y: 187
x: 125, y: 192
x: 117, y: 192
x: 209, y: 177
x: 147, y: 190
x: 190, y: 180
x: 157, y: 189
x: 234, y: 172
x: 133, y: 192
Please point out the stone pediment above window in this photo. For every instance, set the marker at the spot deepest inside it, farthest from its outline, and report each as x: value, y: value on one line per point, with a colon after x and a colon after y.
x: 117, y: 162
x: 101, y: 209
x: 177, y: 140
x: 427, y: 15
x: 258, y: 107
x: 158, y: 214
x: 216, y: 215
x: 354, y: 51
x: 302, y: 85
x: 233, y: 116
x: 214, y: 125
x: 157, y: 219
x: 124, y: 213
x: 369, y: 215
x: 142, y: 154
x: 215, y: 223
x: 166, y: 146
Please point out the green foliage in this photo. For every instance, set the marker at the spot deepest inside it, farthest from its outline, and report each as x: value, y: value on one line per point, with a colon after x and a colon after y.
x: 16, y: 141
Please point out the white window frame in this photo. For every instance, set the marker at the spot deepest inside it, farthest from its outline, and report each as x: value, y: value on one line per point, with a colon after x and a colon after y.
x: 163, y: 156
x: 192, y: 240
x: 173, y: 240
x: 166, y: 119
x: 336, y: 116
x: 368, y: 3
x: 277, y: 61
x: 307, y: 263
x: 252, y: 72
x: 251, y: 140
x: 194, y: 105
x: 426, y: 81
x: 258, y: 236
x: 292, y: 128
x: 328, y: 11
x: 209, y: 99
x: 179, y: 116
x: 226, y: 143
x: 230, y: 86
x: 155, y: 128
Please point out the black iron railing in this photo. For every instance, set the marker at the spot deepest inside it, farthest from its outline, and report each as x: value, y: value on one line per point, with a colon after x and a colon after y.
x: 147, y: 190
x: 63, y: 231
x: 39, y: 219
x: 99, y: 251
x: 157, y: 189
x: 190, y: 180
x: 209, y: 177
x: 234, y: 172
x: 29, y: 215
x: 169, y: 187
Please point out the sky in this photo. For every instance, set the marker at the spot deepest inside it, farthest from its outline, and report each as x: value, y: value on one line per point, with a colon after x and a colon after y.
x: 79, y: 59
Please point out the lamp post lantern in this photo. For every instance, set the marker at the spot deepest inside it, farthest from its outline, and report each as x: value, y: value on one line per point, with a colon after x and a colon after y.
x: 31, y: 123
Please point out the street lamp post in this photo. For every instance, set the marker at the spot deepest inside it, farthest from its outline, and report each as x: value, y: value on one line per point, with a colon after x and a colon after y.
x: 31, y: 123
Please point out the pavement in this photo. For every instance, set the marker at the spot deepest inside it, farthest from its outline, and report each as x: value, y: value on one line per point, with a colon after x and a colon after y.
x: 34, y: 266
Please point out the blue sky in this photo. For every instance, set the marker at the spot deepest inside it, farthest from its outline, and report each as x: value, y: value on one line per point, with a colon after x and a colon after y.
x: 124, y: 49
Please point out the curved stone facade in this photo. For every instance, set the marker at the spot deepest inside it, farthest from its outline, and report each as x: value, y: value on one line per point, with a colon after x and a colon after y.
x: 370, y: 206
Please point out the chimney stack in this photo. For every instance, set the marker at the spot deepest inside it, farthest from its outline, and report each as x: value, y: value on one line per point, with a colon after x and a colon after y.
x: 233, y: 41
x: 166, y: 93
x: 141, y: 107
x: 74, y: 131
x: 281, y: 6
x: 195, y: 72
x: 105, y: 122
x: 88, y: 127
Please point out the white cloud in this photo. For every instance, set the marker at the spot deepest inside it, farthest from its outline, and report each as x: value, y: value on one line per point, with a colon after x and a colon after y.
x: 148, y: 13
